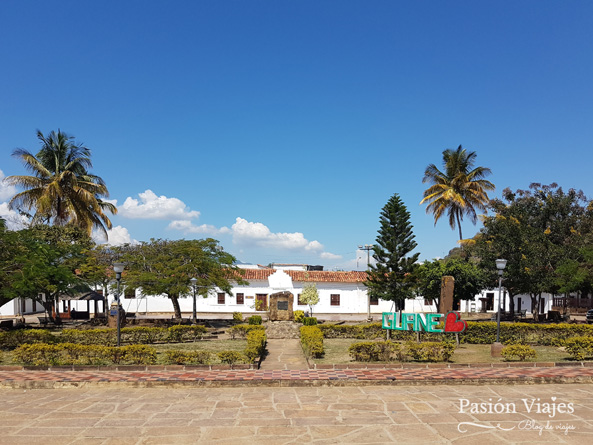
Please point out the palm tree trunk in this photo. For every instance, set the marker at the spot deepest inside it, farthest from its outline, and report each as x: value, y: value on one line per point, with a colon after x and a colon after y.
x: 459, y: 225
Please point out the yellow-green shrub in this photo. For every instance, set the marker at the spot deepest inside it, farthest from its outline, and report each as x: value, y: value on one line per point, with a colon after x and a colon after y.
x: 256, y: 344
x: 183, y: 333
x: 517, y: 351
x: 241, y: 330
x: 299, y: 316
x: 312, y: 341
x: 579, y: 348
x: 232, y: 357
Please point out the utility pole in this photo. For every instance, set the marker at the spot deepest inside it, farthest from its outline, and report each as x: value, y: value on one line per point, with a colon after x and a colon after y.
x: 368, y: 248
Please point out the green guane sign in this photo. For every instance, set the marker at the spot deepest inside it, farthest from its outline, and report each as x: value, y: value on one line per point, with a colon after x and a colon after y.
x: 402, y: 321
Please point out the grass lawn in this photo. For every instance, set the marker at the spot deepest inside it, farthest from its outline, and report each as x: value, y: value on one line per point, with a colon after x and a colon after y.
x: 336, y: 352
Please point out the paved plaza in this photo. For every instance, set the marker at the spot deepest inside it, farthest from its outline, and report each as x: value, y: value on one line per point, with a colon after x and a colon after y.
x: 113, y: 414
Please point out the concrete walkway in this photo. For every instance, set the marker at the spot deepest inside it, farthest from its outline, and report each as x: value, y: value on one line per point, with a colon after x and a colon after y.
x: 356, y: 415
x: 284, y: 353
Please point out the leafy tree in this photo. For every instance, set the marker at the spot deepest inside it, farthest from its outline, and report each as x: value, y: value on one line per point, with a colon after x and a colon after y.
x: 45, y: 261
x: 539, y: 232
x: 470, y: 280
x: 61, y: 190
x: 459, y: 190
x: 163, y: 267
x: 392, y: 278
x: 97, y: 269
x: 310, y: 296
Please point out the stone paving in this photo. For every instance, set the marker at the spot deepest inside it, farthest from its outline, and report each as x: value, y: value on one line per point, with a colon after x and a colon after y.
x: 282, y: 415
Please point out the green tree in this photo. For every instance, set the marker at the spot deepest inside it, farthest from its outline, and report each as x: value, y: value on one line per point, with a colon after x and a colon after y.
x: 470, y: 280
x: 310, y: 296
x: 542, y: 232
x: 97, y: 268
x: 61, y: 190
x: 392, y: 277
x: 45, y: 262
x: 164, y: 267
x: 458, y: 190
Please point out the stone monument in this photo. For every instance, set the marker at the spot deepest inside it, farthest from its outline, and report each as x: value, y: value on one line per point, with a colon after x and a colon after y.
x: 281, y: 306
x: 447, y: 287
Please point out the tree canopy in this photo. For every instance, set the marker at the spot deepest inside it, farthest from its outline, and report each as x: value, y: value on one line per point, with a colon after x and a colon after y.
x: 391, y: 278
x: 61, y: 190
x: 458, y: 190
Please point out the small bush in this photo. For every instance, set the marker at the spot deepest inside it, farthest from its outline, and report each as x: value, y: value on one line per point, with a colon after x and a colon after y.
x: 299, y: 316
x: 232, y: 357
x: 312, y: 341
x: 519, y: 352
x: 183, y: 333
x: 254, y: 320
x: 144, y: 335
x: 374, y: 351
x: 139, y: 354
x: 579, y: 348
x: 13, y: 339
x: 241, y: 330
x: 237, y: 317
x: 430, y: 351
x: 103, y: 337
x: 256, y: 344
x: 188, y: 357
x: 310, y: 321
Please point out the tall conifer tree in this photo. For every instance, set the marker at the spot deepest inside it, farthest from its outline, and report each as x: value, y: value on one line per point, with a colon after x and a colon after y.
x: 391, y: 278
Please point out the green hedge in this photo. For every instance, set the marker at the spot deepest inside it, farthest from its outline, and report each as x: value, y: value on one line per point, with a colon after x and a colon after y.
x: 579, y: 348
x: 188, y: 357
x: 254, y: 320
x: 476, y: 333
x: 518, y: 352
x: 12, y: 339
x: 310, y: 321
x: 387, y: 351
x: 241, y: 330
x: 76, y: 354
x: 256, y: 344
x: 312, y: 341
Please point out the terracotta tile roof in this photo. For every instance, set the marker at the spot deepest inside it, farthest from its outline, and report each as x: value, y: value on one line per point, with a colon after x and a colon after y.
x: 309, y: 276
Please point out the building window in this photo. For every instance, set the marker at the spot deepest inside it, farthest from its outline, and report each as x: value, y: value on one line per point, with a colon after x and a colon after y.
x: 374, y: 301
x: 335, y: 299
x: 221, y: 297
x: 427, y: 302
x: 299, y: 301
x: 240, y: 299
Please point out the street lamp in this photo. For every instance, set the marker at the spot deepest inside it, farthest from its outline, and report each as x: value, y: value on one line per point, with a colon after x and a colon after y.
x: 368, y: 248
x: 118, y: 269
x: 500, y: 265
x: 193, y: 283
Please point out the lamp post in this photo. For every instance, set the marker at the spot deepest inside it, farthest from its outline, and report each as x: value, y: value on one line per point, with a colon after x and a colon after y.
x: 497, y: 347
x: 368, y: 248
x: 118, y: 268
x: 193, y: 283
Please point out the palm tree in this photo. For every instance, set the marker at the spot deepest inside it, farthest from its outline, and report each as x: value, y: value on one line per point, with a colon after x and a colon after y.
x: 61, y: 190
x: 459, y: 190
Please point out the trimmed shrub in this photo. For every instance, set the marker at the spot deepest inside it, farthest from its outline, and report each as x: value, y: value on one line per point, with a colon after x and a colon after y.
x: 183, y: 333
x: 103, y: 337
x: 299, y: 316
x: 232, y: 357
x: 519, y: 352
x: 312, y: 341
x: 431, y: 351
x: 256, y: 344
x: 13, y: 339
x: 241, y: 330
x: 254, y: 320
x: 144, y: 335
x: 371, y: 351
x: 139, y: 354
x: 579, y: 348
x: 237, y: 317
x: 310, y: 321
x: 188, y: 357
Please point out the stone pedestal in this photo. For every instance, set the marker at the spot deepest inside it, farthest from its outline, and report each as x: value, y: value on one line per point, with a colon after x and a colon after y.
x: 447, y: 287
x: 281, y: 306
x: 495, y: 349
x: 112, y: 317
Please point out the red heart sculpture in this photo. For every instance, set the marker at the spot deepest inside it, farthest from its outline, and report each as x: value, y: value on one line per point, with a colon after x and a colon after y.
x: 453, y: 322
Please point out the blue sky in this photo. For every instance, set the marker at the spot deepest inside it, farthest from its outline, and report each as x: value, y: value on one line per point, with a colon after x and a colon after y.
x: 282, y: 128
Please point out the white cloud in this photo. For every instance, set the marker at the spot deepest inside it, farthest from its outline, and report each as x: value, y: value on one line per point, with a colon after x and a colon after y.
x: 14, y: 221
x: 115, y: 237
x: 152, y: 206
x: 6, y: 191
x: 245, y: 232
x: 330, y: 256
x: 186, y: 226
